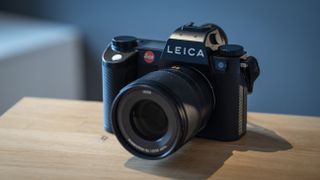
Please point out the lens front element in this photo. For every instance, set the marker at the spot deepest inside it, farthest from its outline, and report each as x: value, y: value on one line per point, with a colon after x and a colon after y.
x: 149, y: 120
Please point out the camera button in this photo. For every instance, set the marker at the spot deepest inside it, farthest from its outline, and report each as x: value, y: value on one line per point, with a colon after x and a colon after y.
x: 220, y: 65
x: 124, y: 43
x: 116, y: 57
x: 231, y: 50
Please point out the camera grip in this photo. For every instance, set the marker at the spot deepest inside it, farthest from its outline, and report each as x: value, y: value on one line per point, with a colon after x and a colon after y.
x: 115, y: 77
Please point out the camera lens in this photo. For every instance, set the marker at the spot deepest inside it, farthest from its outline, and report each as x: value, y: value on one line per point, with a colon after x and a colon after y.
x: 156, y: 114
x: 149, y: 120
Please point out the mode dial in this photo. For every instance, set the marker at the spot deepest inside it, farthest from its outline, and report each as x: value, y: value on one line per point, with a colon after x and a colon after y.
x: 124, y: 43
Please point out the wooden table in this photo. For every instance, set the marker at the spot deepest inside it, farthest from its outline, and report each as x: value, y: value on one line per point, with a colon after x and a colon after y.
x: 64, y: 139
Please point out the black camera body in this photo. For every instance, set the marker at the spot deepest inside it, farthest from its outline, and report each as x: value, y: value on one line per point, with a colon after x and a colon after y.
x: 194, y: 80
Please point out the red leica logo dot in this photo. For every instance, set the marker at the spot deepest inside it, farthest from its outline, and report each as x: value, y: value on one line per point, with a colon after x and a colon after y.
x: 148, y: 56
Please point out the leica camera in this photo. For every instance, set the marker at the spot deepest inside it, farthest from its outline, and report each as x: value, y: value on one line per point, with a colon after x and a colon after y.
x: 157, y: 95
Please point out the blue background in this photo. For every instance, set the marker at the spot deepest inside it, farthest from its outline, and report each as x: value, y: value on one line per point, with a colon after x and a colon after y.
x: 283, y: 35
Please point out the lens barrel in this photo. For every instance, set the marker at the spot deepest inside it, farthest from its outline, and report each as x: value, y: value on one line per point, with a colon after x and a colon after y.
x: 156, y: 114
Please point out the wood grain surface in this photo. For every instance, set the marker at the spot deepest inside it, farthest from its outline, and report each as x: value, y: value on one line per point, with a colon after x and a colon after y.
x: 63, y: 139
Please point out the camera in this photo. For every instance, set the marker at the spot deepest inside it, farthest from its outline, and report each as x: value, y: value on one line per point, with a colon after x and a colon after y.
x: 157, y: 95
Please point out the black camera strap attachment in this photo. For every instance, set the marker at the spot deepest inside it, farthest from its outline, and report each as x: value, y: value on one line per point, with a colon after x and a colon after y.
x: 251, y: 71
